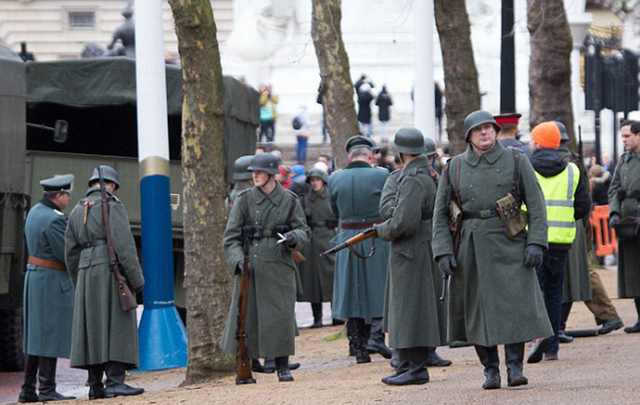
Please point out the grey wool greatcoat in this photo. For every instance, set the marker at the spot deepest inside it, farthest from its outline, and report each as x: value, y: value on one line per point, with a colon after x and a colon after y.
x: 577, y: 285
x: 359, y: 284
x: 627, y: 178
x: 48, y: 293
x: 412, y: 316
x: 270, y: 325
x: 102, y: 332
x: 493, y: 297
x: 316, y: 273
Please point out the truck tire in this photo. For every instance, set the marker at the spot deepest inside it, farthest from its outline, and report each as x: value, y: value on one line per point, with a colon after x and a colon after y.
x: 11, y: 356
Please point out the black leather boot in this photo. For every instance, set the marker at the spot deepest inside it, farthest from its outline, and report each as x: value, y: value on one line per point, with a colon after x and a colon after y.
x: 360, y: 341
x: 282, y: 364
x: 352, y: 336
x: 434, y: 360
x: 417, y: 372
x: 28, y: 391
x: 256, y: 367
x: 491, y: 361
x: 47, y: 379
x: 376, y: 340
x: 269, y: 365
x: 316, y: 308
x: 400, y: 357
x: 514, y: 356
x: 115, y: 381
x: 96, y: 387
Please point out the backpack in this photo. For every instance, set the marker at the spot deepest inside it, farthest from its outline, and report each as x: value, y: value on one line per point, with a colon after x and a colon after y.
x: 296, y: 122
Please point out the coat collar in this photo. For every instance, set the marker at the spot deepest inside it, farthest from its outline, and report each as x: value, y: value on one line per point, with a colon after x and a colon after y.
x: 421, y: 161
x: 313, y: 196
x: 93, y: 190
x: 356, y: 164
x: 275, y: 197
x: 630, y: 155
x: 491, y: 156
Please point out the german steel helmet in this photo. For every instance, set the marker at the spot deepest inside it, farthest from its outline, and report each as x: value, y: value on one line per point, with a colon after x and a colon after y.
x: 409, y: 140
x: 319, y: 174
x: 430, y: 146
x: 108, y: 174
x: 564, y: 135
x: 477, y: 118
x: 265, y: 162
x: 240, y: 171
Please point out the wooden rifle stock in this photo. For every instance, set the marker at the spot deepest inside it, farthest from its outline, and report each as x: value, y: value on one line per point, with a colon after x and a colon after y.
x: 362, y: 236
x: 125, y: 297
x: 243, y: 362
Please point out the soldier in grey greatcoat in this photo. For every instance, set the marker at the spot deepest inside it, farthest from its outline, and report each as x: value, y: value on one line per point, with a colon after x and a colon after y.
x: 624, y: 216
x: 262, y: 213
x: 388, y: 204
x: 412, y: 317
x: 494, y: 296
x: 316, y: 273
x: 105, y: 339
x: 241, y: 180
x: 358, y: 293
x: 48, y: 294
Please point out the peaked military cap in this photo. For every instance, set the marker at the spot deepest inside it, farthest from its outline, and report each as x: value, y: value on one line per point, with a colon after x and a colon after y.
x: 58, y: 183
x: 507, y: 118
x: 359, y: 141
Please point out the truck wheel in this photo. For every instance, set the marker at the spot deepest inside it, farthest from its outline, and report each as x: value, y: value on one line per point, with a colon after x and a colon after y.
x: 11, y: 356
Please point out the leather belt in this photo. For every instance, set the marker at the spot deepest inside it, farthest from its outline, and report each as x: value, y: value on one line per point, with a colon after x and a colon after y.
x: 359, y: 225
x: 47, y: 264
x: 482, y: 214
x: 94, y: 243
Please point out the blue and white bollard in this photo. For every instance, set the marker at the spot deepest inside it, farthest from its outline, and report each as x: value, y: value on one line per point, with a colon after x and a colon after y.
x: 163, y: 337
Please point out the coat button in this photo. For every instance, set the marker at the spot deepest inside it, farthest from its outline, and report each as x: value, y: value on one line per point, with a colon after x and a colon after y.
x: 471, y: 186
x: 473, y: 198
x: 498, y: 170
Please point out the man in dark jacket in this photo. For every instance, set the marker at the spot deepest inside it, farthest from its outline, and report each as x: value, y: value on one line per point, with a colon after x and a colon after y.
x: 48, y: 295
x: 567, y: 200
x: 508, y: 135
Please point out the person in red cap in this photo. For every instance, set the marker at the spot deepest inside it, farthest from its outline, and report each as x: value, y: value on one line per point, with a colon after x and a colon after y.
x: 567, y: 200
x: 508, y: 135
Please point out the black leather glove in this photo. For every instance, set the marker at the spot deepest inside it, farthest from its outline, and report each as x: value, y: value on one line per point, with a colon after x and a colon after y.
x: 447, y: 264
x: 240, y: 267
x: 614, y: 220
x: 290, y: 239
x: 533, y: 256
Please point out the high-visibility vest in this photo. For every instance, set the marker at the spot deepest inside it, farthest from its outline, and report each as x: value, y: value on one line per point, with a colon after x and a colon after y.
x: 559, y: 194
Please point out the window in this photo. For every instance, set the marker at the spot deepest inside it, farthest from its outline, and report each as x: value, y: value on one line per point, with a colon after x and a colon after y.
x: 82, y: 20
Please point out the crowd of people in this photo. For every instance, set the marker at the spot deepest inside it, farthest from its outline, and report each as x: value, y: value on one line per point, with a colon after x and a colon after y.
x: 504, y: 223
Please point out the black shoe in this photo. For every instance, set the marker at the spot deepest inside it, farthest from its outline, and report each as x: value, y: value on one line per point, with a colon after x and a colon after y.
x: 633, y: 329
x: 96, y: 387
x: 317, y: 323
x: 538, y: 347
x: 434, y: 360
x: 27, y: 396
x: 491, y: 379
x: 610, y: 325
x: 514, y: 356
x: 336, y: 322
x: 380, y: 348
x: 410, y: 377
x: 563, y: 337
x: 256, y: 367
x: 294, y: 366
x: 47, y: 380
x: 116, y: 387
x: 96, y: 392
x: 284, y: 375
x: 362, y: 356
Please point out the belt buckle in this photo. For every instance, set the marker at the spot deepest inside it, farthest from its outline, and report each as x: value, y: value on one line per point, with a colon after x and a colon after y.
x: 484, y: 214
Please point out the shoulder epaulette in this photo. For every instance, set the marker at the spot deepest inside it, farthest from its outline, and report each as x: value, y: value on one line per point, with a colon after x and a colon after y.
x: 58, y: 212
x: 292, y: 194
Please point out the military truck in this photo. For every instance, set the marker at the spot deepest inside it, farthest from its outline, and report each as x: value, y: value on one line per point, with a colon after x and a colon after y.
x: 97, y: 97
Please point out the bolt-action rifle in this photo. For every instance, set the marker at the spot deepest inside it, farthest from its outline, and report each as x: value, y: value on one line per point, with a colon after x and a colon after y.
x: 243, y: 362
x: 368, y: 233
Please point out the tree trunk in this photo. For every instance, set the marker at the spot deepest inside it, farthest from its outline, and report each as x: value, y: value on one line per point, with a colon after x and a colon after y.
x: 550, y: 64
x: 460, y: 74
x: 208, y: 282
x: 335, y: 85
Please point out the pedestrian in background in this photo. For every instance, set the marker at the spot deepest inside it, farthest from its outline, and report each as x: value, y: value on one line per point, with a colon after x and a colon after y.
x: 300, y: 125
x: 384, y: 103
x: 268, y: 113
x: 365, y: 96
x: 48, y: 293
x: 105, y: 338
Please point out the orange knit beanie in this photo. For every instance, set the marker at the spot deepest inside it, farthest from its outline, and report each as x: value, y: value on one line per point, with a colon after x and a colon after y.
x: 547, y: 135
